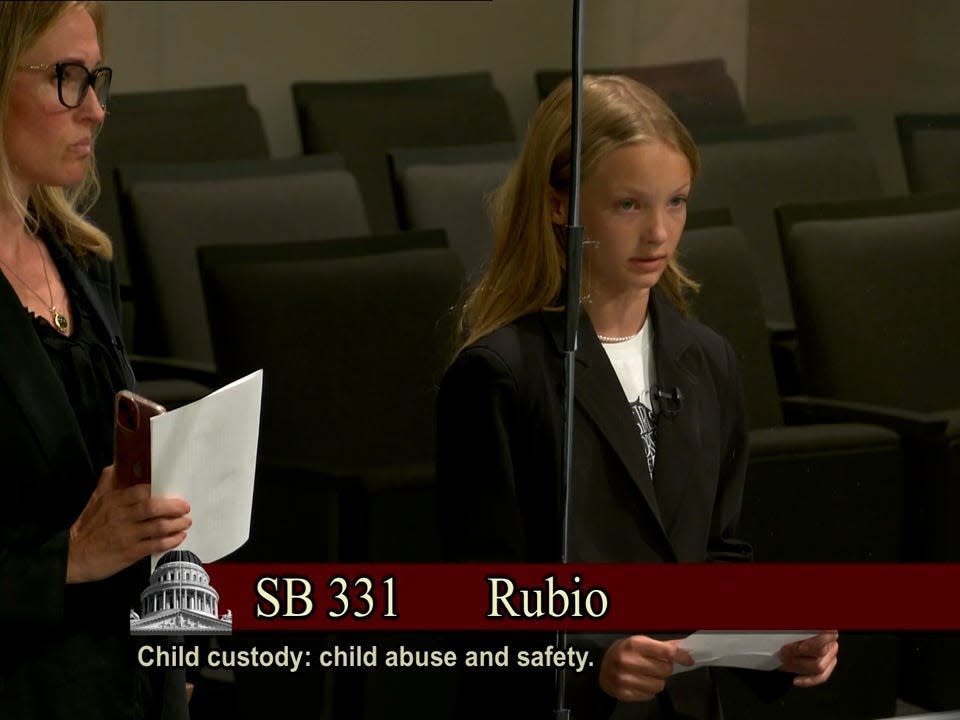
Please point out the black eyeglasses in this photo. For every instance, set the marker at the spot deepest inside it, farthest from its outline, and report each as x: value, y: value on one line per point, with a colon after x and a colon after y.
x: 73, y: 81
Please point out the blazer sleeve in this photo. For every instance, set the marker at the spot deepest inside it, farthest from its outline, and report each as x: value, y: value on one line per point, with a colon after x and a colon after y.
x: 33, y: 569
x: 33, y: 557
x: 477, y: 423
x: 723, y: 546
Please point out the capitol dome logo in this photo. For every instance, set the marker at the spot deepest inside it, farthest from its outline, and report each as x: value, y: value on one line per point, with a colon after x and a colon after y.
x: 180, y: 600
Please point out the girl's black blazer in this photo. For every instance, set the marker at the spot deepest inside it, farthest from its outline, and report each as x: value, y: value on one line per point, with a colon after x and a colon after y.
x: 500, y: 430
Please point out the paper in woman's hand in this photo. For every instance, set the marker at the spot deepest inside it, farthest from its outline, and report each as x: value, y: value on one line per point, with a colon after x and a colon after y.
x: 753, y: 650
x: 206, y: 453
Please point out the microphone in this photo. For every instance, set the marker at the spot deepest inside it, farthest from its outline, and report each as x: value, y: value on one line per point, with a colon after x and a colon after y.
x: 670, y: 401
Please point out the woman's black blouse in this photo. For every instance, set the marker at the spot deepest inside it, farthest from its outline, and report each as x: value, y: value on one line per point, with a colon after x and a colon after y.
x: 86, y: 366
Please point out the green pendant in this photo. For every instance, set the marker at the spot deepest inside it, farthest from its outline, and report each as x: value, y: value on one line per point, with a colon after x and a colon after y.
x: 60, y: 322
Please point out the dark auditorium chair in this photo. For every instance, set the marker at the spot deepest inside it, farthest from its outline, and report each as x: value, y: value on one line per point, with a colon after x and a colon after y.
x: 700, y: 92
x: 205, y: 124
x: 877, y: 305
x: 348, y: 408
x: 170, y: 210
x: 930, y: 144
x: 353, y: 336
x: 363, y: 120
x: 814, y: 492
x: 753, y: 170
x: 450, y: 188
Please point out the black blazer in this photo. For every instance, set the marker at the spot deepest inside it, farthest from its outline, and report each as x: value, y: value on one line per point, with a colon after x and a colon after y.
x: 74, y: 651
x: 499, y: 450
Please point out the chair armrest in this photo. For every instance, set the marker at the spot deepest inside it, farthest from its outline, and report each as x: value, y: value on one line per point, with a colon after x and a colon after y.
x: 151, y: 367
x: 781, y: 332
x: 805, y: 409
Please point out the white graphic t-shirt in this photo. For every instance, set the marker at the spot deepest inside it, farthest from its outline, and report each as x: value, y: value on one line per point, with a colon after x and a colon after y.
x: 633, y: 362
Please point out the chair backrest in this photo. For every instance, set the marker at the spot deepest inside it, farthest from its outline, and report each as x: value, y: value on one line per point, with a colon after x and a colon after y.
x: 450, y: 188
x: 362, y: 121
x: 352, y: 350
x: 930, y: 144
x: 753, y: 170
x: 876, y: 300
x: 305, y: 92
x: 180, y: 99
x: 700, y: 92
x: 173, y: 211
x: 329, y: 249
x: 729, y: 301
x: 171, y: 126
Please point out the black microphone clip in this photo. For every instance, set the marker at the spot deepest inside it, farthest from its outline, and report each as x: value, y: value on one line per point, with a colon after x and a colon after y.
x: 670, y: 401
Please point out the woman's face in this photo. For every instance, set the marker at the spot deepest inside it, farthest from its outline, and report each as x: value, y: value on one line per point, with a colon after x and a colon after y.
x: 45, y: 142
x: 633, y: 207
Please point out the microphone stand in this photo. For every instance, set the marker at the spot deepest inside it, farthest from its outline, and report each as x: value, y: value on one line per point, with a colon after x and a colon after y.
x: 572, y: 318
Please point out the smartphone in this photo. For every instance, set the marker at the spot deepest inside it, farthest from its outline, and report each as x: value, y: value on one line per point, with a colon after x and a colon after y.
x: 131, y: 446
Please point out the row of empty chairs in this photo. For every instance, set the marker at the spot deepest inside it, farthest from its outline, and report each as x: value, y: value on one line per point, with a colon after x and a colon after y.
x: 362, y: 121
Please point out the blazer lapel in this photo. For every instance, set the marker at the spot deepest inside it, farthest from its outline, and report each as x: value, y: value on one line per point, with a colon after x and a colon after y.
x: 33, y: 383
x: 678, y: 427
x: 598, y: 392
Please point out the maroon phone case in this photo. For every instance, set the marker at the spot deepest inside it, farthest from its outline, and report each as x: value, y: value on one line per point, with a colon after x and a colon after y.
x: 131, y: 449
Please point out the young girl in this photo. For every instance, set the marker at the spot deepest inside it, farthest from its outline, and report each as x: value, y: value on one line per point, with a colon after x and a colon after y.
x: 660, y: 441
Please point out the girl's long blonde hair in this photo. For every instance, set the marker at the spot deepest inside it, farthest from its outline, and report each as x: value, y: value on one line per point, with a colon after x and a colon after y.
x: 527, y: 269
x: 59, y: 209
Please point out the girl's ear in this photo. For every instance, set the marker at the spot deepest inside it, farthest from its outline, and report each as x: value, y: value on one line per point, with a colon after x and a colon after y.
x: 558, y: 207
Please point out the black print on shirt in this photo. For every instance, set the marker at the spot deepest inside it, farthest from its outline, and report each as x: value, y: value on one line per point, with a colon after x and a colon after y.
x: 647, y: 422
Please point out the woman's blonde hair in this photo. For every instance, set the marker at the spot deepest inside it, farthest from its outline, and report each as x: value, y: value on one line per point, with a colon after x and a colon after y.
x: 526, y: 272
x: 58, y: 209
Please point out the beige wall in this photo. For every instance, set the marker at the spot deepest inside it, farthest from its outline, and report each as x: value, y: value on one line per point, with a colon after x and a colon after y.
x: 269, y: 45
x: 867, y: 58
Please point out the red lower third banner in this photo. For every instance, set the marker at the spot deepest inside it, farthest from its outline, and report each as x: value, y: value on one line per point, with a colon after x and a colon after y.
x: 603, y: 597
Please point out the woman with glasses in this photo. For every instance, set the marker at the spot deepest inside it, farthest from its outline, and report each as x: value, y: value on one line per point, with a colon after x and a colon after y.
x: 72, y: 544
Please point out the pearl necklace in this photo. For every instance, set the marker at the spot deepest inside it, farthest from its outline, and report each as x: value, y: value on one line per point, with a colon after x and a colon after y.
x: 609, y: 339
x: 60, y: 321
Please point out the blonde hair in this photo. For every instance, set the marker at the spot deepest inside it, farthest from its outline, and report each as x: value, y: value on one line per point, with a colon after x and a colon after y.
x: 527, y: 269
x: 59, y: 209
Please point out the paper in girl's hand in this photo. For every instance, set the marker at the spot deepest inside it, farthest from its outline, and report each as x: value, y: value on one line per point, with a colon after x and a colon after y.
x: 752, y: 650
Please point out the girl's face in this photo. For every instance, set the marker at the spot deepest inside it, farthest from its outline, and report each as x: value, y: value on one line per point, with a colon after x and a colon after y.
x: 633, y: 208
x: 47, y: 143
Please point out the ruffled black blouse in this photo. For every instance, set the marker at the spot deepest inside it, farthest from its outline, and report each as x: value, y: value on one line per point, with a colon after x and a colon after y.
x: 86, y: 365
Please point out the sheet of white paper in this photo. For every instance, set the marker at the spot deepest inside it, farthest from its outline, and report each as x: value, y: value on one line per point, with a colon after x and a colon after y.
x: 755, y: 650
x: 206, y: 453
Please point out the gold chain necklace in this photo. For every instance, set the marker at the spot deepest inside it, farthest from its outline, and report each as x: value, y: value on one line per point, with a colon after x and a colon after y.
x: 60, y: 321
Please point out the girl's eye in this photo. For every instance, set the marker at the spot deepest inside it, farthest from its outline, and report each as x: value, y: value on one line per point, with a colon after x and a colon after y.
x: 626, y: 204
x: 678, y: 201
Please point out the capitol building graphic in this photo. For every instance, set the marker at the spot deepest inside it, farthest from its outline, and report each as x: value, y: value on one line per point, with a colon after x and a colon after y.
x: 180, y: 600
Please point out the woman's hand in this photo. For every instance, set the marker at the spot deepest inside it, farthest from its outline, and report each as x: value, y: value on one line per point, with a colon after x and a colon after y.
x: 637, y: 667
x: 119, y: 526
x: 813, y: 659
